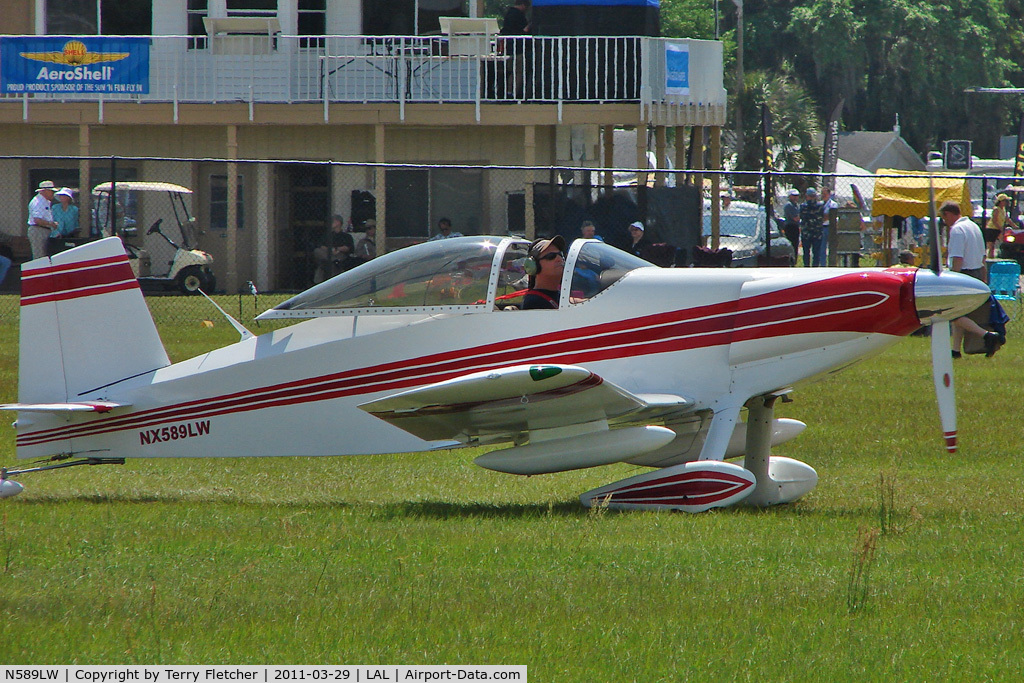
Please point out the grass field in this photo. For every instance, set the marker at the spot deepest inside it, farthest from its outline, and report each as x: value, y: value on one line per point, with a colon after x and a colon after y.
x: 904, y: 564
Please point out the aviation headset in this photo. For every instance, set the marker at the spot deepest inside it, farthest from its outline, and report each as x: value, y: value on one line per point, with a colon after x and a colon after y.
x: 532, y: 263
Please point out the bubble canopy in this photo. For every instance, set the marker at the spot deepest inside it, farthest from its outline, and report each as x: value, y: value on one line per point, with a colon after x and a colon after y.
x: 457, y: 275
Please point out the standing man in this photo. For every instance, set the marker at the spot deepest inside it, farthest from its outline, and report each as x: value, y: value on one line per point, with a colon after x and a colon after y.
x: 810, y: 228
x: 791, y: 219
x: 515, y: 23
x: 547, y: 260
x: 827, y: 204
x: 444, y: 230
x: 967, y: 255
x: 40, y: 218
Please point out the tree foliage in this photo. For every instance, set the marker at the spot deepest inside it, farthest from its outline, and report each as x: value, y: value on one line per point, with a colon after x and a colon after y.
x: 889, y: 59
x: 794, y: 123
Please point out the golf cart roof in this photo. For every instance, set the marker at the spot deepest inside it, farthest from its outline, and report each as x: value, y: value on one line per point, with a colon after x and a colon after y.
x: 142, y: 186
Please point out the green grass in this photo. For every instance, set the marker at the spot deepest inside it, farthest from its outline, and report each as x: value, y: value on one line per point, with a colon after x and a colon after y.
x: 425, y: 559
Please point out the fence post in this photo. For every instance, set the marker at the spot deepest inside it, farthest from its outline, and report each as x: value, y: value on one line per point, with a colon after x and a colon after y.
x: 231, y: 283
x: 381, y: 194
x: 716, y: 178
x: 530, y: 151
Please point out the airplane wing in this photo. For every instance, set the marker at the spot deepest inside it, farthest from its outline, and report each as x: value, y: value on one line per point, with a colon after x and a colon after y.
x: 507, y: 403
x: 84, y: 407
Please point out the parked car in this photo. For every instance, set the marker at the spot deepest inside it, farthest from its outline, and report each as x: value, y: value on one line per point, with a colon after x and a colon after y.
x: 742, y: 231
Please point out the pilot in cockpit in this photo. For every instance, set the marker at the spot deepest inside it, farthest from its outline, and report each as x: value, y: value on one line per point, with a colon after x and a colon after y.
x: 544, y: 264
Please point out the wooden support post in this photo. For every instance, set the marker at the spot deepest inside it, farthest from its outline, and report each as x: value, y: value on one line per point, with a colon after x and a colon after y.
x: 84, y: 182
x: 381, y: 195
x: 716, y: 182
x: 231, y: 281
x: 530, y: 151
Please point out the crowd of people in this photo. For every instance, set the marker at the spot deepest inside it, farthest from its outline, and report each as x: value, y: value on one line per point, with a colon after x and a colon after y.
x: 806, y: 224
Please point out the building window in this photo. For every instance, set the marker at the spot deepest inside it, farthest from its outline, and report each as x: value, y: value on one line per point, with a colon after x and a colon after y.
x: 312, y: 22
x: 252, y: 8
x: 195, y: 12
x: 70, y: 17
x: 409, y: 17
x: 219, y: 202
x: 107, y: 17
x: 417, y: 199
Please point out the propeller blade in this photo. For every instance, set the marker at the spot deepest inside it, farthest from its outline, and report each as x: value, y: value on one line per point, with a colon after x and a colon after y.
x: 942, y: 349
x: 942, y: 374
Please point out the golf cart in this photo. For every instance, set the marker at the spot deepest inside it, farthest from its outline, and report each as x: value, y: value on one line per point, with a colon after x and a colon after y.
x: 160, y: 262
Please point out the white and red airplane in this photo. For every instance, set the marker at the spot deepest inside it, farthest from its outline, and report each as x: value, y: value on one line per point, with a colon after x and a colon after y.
x: 419, y: 350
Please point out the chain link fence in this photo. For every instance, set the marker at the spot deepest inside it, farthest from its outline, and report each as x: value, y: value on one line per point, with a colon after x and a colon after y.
x: 267, y: 233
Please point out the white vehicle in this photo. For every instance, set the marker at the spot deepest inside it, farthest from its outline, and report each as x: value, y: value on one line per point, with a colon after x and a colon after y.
x: 184, y: 268
x: 742, y: 231
x: 421, y: 349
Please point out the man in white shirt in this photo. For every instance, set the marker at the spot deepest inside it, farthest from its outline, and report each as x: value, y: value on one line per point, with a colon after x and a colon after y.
x: 40, y: 218
x: 966, y: 249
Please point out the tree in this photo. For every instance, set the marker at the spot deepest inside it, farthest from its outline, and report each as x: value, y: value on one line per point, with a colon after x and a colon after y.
x: 794, y: 119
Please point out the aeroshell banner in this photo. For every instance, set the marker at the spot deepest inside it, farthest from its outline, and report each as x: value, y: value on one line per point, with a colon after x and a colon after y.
x: 74, y: 64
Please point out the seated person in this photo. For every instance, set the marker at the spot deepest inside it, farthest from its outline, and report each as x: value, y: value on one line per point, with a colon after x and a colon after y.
x: 545, y: 263
x: 334, y: 255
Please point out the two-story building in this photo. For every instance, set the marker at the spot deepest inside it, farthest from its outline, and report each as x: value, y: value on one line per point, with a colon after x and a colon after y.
x: 401, y: 92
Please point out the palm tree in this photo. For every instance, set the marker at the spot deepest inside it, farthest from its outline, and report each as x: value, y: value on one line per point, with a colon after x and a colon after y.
x: 795, y: 124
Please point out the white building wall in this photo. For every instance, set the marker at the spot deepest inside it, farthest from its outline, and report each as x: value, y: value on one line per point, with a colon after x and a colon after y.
x: 344, y: 17
x: 169, y: 18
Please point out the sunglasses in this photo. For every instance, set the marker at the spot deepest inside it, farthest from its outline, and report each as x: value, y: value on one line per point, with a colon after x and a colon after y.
x: 552, y: 256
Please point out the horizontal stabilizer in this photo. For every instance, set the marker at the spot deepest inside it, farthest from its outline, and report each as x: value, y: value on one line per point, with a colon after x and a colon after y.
x: 86, y: 407
x: 505, y: 402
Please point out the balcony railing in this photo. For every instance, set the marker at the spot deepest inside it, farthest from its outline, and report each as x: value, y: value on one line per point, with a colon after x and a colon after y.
x: 415, y: 69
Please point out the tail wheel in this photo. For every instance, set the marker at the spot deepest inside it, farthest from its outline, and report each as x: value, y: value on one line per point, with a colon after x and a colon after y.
x: 191, y: 280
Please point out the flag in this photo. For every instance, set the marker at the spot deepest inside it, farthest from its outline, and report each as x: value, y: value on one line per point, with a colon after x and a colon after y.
x: 830, y: 154
x: 768, y: 162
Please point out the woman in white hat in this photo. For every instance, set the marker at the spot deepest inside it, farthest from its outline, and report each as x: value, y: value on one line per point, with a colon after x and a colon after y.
x: 40, y: 218
x: 65, y: 214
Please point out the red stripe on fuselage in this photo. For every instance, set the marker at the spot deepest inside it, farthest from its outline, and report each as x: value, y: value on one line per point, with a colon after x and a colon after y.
x: 836, y: 304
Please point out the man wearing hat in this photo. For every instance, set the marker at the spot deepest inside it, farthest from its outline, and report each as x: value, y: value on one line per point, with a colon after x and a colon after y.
x: 791, y: 219
x: 545, y: 265
x: 997, y: 223
x: 40, y: 218
x: 366, y: 248
x: 810, y: 228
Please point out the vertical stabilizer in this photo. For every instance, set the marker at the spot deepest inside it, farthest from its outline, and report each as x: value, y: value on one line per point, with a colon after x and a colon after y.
x: 84, y: 324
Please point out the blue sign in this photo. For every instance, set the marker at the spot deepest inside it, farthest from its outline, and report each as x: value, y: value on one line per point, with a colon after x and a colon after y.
x: 74, y: 64
x: 677, y: 68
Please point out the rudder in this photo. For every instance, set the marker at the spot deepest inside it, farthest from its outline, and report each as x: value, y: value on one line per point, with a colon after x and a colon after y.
x: 84, y: 324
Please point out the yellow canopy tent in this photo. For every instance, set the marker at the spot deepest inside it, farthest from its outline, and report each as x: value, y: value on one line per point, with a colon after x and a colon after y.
x: 907, y: 195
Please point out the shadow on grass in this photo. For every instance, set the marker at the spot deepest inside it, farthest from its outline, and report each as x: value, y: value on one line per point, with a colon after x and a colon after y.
x: 421, y: 509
